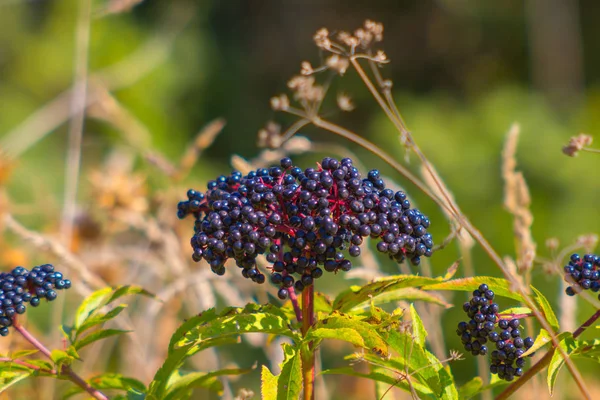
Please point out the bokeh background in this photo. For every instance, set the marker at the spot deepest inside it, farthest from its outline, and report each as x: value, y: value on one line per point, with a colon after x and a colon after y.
x: 159, y: 72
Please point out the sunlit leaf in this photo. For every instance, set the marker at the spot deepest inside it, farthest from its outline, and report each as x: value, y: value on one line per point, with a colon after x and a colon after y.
x: 356, y: 295
x: 110, y: 381
x: 418, y: 330
x: 541, y: 300
x: 501, y: 287
x: 180, y: 384
x: 98, y: 335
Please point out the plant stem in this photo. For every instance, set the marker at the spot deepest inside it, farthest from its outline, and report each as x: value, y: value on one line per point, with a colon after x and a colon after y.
x: 65, y: 370
x: 308, y: 353
x: 544, y: 361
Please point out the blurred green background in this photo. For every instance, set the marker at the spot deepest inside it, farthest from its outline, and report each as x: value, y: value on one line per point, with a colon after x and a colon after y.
x: 463, y: 72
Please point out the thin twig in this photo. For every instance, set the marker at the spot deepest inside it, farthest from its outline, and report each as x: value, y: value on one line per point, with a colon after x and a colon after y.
x: 66, y: 369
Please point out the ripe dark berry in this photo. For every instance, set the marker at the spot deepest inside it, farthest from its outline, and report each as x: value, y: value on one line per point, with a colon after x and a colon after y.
x: 481, y: 328
x: 583, y: 273
x: 298, y: 219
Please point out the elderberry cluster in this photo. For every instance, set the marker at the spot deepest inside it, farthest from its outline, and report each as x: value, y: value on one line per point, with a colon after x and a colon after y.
x: 20, y: 286
x: 507, y: 359
x: 302, y: 220
x: 585, y: 272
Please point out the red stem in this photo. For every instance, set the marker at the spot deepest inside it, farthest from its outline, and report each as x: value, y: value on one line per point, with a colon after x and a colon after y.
x: 65, y: 370
x: 544, y: 361
x: 308, y: 353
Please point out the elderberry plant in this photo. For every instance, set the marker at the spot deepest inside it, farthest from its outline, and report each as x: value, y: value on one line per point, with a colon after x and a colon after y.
x: 21, y: 287
x: 302, y: 220
x: 507, y: 361
x: 583, y: 273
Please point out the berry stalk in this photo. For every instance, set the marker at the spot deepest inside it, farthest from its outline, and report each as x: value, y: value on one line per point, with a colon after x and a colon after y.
x: 308, y: 353
x: 544, y: 361
x: 65, y: 370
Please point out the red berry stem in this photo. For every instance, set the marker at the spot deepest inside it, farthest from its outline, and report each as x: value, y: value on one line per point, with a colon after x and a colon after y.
x: 308, y: 353
x: 543, y: 362
x: 65, y: 370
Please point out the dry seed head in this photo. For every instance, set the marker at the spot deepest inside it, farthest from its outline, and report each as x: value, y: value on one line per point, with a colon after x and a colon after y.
x: 322, y: 40
x: 552, y: 244
x: 344, y: 102
x: 348, y: 40
x: 280, y: 103
x: 380, y: 57
x: 270, y: 135
x: 306, y: 69
x: 338, y: 64
x: 376, y: 29
x: 588, y: 242
x: 577, y: 143
x: 305, y: 89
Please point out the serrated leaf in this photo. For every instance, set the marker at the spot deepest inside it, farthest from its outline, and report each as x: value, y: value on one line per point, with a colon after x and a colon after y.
x: 546, y: 308
x: 501, y: 287
x: 110, y: 381
x: 288, y: 384
x: 383, y: 375
x: 99, y: 319
x: 322, y: 303
x: 129, y: 290
x: 98, y: 335
x: 470, y: 389
x: 422, y: 364
x: 268, y: 384
x: 418, y: 330
x: 90, y: 304
x: 573, y: 348
x: 370, y: 337
x: 211, y: 329
x: 516, y: 311
x: 356, y: 295
x: 68, y: 332
x: 60, y: 358
x: 544, y: 339
x: 9, y: 377
x: 22, y: 353
x: 405, y: 294
x: 180, y: 384
x: 346, y: 334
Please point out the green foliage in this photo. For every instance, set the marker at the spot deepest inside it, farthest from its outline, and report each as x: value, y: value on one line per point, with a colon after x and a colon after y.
x: 573, y: 348
x: 288, y: 384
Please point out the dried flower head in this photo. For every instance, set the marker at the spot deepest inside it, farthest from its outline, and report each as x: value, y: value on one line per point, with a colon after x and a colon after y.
x: 304, y: 88
x: 306, y: 69
x: 576, y: 144
x: 344, y: 102
x: 280, y: 103
x: 270, y: 135
x: 322, y: 40
x: 337, y: 63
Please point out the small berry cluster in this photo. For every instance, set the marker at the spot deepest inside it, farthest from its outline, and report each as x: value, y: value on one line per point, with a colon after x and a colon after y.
x: 21, y: 286
x: 300, y: 220
x: 485, y: 318
x: 585, y: 272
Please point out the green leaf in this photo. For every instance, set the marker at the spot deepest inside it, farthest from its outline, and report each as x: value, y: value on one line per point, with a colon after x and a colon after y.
x: 129, y: 290
x: 574, y: 348
x: 180, y: 384
x: 541, y: 300
x: 22, y: 353
x: 382, y: 375
x: 501, y: 287
x: 90, y: 304
x: 470, y: 389
x: 60, y: 358
x: 346, y: 334
x: 371, y: 339
x: 99, y: 319
x: 516, y: 311
x: 422, y: 364
x: 356, y: 295
x: 9, y: 377
x: 268, y: 384
x: 98, y: 335
x: 406, y: 294
x: 288, y: 384
x: 212, y: 329
x: 418, y: 330
x: 109, y: 381
x: 289, y: 381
